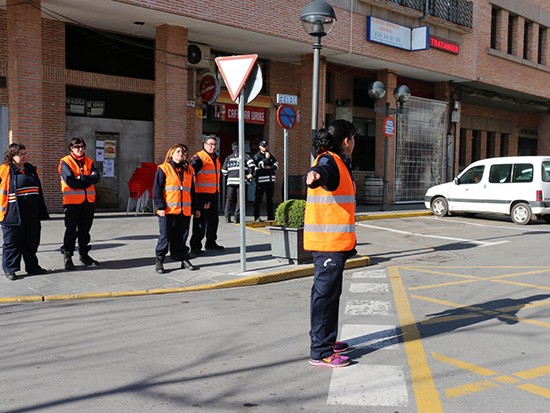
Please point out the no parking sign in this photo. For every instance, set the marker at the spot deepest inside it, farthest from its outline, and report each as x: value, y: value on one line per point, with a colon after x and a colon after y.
x: 286, y: 116
x: 389, y: 127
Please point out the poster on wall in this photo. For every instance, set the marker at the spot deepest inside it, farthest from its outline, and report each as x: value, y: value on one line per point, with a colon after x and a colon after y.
x: 110, y: 149
x: 109, y: 168
x: 99, y: 154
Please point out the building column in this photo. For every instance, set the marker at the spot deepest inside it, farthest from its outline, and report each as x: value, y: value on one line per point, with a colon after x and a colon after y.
x: 171, y: 77
x: 24, y: 31
x: 518, y: 29
x: 545, y: 46
x: 533, y: 46
x: 502, y: 30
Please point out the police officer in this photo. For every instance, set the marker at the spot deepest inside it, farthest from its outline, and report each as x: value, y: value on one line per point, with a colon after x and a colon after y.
x: 78, y: 176
x: 329, y: 232
x: 207, y: 168
x: 230, y: 169
x: 266, y: 165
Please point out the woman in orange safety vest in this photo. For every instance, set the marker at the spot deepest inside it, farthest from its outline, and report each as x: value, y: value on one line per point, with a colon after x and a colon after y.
x: 22, y: 207
x: 329, y: 232
x: 172, y: 196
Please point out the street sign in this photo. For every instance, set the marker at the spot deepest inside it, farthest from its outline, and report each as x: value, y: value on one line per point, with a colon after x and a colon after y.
x: 253, y: 85
x: 286, y: 116
x: 235, y: 71
x: 287, y: 99
x: 389, y: 127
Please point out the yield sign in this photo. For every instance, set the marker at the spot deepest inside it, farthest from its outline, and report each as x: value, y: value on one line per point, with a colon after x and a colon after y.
x: 235, y: 71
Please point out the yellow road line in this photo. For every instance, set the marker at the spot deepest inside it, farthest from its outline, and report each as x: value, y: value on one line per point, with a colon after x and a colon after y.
x: 427, y: 397
x: 470, y: 388
x: 534, y: 373
x: 430, y: 286
x: 533, y: 388
x: 480, y: 371
x: 537, y: 287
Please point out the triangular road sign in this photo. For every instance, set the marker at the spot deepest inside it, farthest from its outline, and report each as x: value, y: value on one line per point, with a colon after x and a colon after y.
x: 235, y: 71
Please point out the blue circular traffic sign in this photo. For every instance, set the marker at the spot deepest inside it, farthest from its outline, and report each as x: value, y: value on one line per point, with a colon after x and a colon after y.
x: 286, y: 116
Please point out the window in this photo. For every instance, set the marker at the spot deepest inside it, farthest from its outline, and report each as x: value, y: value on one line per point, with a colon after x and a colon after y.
x: 523, y: 172
x: 527, y: 35
x: 546, y: 171
x: 462, y: 149
x: 504, y: 141
x: 494, y: 27
x: 500, y: 174
x: 512, y: 27
x: 476, y: 145
x: 361, y: 96
x: 527, y: 146
x: 472, y: 175
x: 491, y: 143
x: 543, y: 45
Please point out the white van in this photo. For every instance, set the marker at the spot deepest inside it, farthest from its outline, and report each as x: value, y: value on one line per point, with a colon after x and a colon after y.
x: 518, y: 186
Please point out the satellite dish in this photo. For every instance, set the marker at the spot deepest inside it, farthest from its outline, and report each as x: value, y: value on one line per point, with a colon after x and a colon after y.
x: 194, y: 54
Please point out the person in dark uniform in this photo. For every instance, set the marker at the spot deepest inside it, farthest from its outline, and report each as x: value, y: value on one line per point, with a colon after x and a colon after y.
x: 266, y: 165
x: 22, y: 206
x: 172, y: 190
x: 329, y: 232
x: 231, y: 168
x: 78, y: 176
x: 207, y: 168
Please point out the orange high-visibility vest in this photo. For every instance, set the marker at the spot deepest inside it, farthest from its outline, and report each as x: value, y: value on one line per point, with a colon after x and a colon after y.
x: 330, y: 215
x: 5, y: 195
x: 207, y: 180
x: 75, y: 195
x: 177, y: 193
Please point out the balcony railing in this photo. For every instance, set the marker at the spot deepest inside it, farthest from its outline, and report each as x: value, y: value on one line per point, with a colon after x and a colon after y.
x: 455, y: 11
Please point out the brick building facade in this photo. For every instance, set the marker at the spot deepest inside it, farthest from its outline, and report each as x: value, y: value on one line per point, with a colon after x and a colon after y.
x: 487, y: 79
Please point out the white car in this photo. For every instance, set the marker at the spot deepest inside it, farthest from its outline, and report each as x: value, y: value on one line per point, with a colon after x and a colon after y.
x: 518, y: 186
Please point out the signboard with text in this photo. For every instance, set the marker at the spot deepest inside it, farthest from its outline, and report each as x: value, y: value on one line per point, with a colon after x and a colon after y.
x: 395, y: 35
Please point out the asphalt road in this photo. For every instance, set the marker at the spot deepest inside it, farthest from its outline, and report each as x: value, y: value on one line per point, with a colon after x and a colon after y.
x: 453, y: 315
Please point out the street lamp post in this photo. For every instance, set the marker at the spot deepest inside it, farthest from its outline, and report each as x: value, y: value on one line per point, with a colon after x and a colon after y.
x: 318, y: 19
x: 377, y: 90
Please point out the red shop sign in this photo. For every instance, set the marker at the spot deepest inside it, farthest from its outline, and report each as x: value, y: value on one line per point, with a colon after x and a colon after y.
x: 209, y: 89
x: 251, y: 114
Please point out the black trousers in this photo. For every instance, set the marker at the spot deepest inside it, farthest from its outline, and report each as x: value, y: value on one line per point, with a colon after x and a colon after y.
x: 78, y: 222
x: 21, y: 241
x: 267, y: 188
x: 207, y: 223
x: 232, y: 202
x: 173, y: 233
x: 325, y: 301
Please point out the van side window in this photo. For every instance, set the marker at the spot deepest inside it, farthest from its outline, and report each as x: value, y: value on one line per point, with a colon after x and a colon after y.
x: 523, y: 172
x: 500, y: 174
x: 472, y: 175
x: 546, y: 171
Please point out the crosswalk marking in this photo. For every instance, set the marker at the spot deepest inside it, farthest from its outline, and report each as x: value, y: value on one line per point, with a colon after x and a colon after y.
x: 369, y: 288
x: 367, y: 307
x: 370, y: 336
x: 370, y: 274
x: 368, y: 385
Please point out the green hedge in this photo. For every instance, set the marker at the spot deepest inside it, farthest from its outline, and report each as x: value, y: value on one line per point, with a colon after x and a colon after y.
x: 291, y: 213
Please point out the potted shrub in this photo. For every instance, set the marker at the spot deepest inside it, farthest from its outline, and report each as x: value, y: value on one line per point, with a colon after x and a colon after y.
x: 287, y: 237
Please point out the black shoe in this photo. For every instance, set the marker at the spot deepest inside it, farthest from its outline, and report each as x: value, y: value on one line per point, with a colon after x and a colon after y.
x: 228, y: 221
x: 11, y: 276
x: 159, y: 265
x: 213, y: 246
x: 38, y: 271
x: 258, y: 220
x: 88, y: 261
x: 197, y: 252
x: 68, y: 261
x: 187, y: 264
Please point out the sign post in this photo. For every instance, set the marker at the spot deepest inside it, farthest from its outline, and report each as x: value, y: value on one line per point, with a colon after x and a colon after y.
x: 236, y: 70
x: 286, y: 117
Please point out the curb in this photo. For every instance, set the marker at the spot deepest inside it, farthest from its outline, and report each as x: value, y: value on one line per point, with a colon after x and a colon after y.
x: 388, y: 215
x: 299, y: 272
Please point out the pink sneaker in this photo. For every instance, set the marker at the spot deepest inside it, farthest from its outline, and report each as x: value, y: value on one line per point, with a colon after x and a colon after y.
x: 340, y: 347
x: 335, y: 360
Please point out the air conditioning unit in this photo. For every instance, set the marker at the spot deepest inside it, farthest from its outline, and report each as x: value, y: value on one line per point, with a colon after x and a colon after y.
x: 198, y: 56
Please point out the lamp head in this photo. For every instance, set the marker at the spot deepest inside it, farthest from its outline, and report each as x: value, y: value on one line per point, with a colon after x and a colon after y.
x: 377, y: 90
x: 402, y: 93
x: 318, y: 18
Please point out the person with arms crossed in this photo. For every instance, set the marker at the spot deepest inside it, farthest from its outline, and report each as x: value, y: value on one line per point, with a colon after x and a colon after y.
x: 172, y: 196
x: 22, y: 206
x: 207, y: 168
x: 78, y: 177
x: 231, y: 168
x: 329, y: 232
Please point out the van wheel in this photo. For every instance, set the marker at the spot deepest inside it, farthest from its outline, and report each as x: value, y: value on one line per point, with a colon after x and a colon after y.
x: 521, y: 213
x: 440, y: 207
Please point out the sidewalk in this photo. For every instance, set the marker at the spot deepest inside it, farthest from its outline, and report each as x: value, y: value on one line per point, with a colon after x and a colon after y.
x: 124, y: 246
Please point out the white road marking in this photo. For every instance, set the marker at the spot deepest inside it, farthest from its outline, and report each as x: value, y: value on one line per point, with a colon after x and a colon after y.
x: 462, y: 240
x: 370, y: 336
x: 370, y: 274
x: 367, y: 307
x: 369, y: 288
x: 368, y: 385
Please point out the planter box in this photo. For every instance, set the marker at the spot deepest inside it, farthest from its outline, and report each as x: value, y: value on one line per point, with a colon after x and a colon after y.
x: 287, y: 244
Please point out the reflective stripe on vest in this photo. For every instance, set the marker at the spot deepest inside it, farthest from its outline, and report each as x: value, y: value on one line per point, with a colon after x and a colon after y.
x: 330, y: 215
x: 4, y: 190
x: 207, y: 179
x: 75, y: 195
x: 177, y: 194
